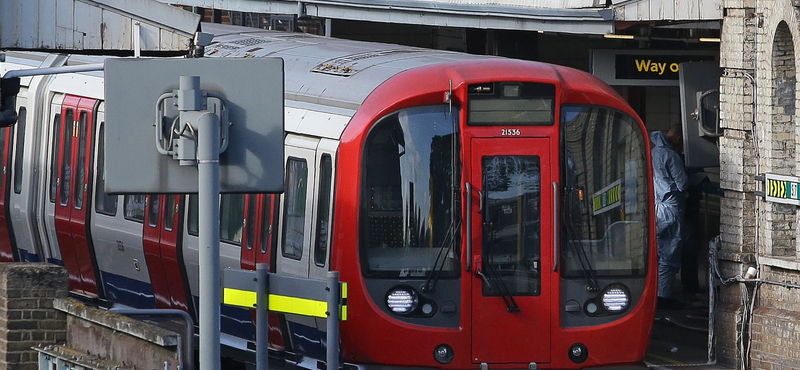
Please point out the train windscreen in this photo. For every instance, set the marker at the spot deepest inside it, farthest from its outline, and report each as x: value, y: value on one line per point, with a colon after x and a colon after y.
x: 410, y: 219
x: 604, y: 204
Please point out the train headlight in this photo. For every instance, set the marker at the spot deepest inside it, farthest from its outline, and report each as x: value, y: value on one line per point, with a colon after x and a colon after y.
x: 402, y: 300
x: 615, y: 299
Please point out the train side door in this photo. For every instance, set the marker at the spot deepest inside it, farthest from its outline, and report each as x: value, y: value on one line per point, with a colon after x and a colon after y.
x: 74, y: 174
x: 512, y: 234
x: 6, y: 146
x: 161, y: 240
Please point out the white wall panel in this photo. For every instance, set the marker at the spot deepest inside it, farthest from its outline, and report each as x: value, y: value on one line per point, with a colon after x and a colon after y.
x: 654, y: 10
x: 94, y: 24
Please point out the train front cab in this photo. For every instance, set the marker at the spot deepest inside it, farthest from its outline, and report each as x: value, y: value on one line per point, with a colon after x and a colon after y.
x: 507, y: 228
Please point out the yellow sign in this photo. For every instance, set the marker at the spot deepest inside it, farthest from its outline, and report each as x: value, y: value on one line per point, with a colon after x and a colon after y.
x: 607, y: 198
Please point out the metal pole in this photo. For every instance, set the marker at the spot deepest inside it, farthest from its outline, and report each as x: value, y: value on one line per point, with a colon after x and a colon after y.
x: 334, y: 296
x: 262, y: 317
x: 208, y: 211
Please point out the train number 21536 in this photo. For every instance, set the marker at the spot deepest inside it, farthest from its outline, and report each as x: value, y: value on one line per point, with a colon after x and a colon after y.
x: 509, y: 132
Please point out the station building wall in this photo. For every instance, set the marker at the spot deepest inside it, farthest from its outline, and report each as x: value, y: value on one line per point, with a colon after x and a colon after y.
x: 757, y: 320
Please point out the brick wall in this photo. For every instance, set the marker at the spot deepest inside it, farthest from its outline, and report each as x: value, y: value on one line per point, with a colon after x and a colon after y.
x: 758, y: 53
x: 27, y: 317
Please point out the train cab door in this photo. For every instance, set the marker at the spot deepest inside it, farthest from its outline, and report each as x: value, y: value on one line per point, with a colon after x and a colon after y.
x: 298, y: 196
x: 511, y: 204
x: 6, y: 241
x: 161, y: 239
x: 73, y: 198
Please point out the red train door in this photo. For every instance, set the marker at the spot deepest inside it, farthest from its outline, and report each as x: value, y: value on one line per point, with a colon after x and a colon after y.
x: 258, y: 245
x: 161, y: 241
x: 74, y: 174
x: 511, y: 239
x: 6, y: 248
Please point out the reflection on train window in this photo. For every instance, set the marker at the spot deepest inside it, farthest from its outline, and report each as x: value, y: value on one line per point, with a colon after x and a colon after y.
x: 80, y: 164
x: 604, y: 201
x: 66, y: 157
x: 231, y: 217
x: 511, y: 225
x: 103, y: 203
x: 6, y: 136
x: 409, y: 200
x: 250, y: 221
x: 170, y: 209
x: 152, y: 210
x: 294, y: 213
x: 54, y: 150
x: 269, y: 235
x: 323, y: 211
x: 20, y: 150
x: 134, y: 207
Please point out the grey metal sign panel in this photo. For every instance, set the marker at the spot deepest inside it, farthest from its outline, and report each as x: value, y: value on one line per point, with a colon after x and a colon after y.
x: 699, y: 88
x: 254, y: 90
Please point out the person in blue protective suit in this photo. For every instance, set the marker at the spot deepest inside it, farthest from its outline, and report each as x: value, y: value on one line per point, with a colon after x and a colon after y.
x: 669, y: 182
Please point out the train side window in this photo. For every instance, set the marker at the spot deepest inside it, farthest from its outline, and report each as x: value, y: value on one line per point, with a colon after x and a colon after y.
x: 134, y: 207
x: 192, y: 218
x: 152, y: 210
x: 268, y: 235
x: 323, y: 211
x: 170, y: 208
x: 103, y: 203
x: 80, y: 165
x: 250, y: 221
x: 20, y: 150
x: 231, y: 218
x: 54, y: 150
x: 294, y: 212
x: 66, y: 158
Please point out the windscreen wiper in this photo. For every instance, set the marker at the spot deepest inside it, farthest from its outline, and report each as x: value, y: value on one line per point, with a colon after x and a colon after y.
x: 577, y: 246
x: 508, y: 299
x: 441, y: 258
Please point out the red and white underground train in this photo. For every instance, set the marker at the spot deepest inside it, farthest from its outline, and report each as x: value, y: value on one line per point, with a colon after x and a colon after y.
x: 485, y: 212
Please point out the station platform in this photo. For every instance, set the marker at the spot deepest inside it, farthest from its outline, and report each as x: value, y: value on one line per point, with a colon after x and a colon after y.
x: 680, y: 340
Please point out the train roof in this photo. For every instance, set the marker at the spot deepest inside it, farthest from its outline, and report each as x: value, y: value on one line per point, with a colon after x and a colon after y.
x: 328, y: 71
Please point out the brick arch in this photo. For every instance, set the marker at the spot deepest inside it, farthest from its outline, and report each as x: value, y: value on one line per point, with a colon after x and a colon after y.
x: 783, y: 161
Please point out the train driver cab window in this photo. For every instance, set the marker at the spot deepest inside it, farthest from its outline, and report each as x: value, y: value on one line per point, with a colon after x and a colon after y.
x: 409, y: 202
x: 294, y: 212
x: 323, y: 211
x: 604, y: 196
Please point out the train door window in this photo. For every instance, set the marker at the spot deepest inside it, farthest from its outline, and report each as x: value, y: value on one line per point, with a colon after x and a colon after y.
x: 192, y: 217
x: 250, y: 221
x: 323, y: 211
x: 170, y: 208
x: 20, y: 150
x: 294, y: 213
x: 511, y: 226
x: 103, y: 203
x: 54, y: 150
x: 152, y: 210
x: 80, y: 165
x: 66, y: 158
x: 134, y: 207
x: 231, y: 217
x: 268, y: 235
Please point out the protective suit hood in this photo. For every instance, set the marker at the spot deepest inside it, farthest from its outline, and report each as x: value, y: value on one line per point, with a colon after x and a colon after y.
x: 658, y: 139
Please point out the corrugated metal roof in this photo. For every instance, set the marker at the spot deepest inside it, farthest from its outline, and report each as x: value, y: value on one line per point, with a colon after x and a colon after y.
x: 565, y: 16
x: 659, y: 10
